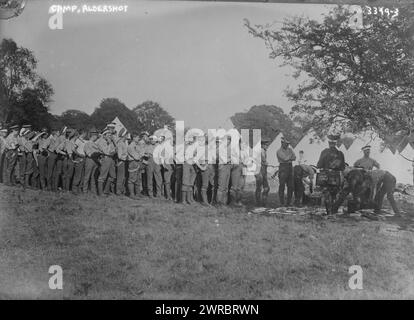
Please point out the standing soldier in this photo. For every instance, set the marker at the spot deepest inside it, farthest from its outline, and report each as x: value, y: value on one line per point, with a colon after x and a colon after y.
x: 27, y: 149
x: 167, y: 165
x: 92, y: 154
x: 261, y: 177
x: 56, y: 138
x: 66, y: 149
x: 11, y: 145
x: 224, y: 170
x: 136, y: 150
x: 332, y: 158
x: 22, y: 153
x: 107, y: 171
x: 366, y: 162
x: 285, y: 156
x: 122, y: 152
x: 153, y: 169
x: 3, y: 135
x: 189, y: 173
x: 43, y: 141
x: 207, y: 173
x: 79, y: 161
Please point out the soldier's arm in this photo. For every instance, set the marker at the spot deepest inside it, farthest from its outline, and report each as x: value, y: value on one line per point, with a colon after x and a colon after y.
x: 321, y: 161
x: 342, y: 167
x: 293, y: 156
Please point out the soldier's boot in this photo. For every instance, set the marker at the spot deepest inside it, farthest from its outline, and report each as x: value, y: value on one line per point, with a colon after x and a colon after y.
x: 264, y: 196
x: 289, y: 200
x: 100, y: 188
x: 26, y: 181
x: 282, y: 200
x: 190, y: 197
x: 168, y: 191
x: 42, y: 184
x: 238, y: 202
x: 108, y: 187
x: 131, y: 190
x: 264, y: 200
x: 220, y: 198
x: 184, y: 197
x: 258, y: 198
x: 204, y: 197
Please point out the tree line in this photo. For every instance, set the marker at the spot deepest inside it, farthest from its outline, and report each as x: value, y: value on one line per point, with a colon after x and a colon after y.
x: 25, y: 98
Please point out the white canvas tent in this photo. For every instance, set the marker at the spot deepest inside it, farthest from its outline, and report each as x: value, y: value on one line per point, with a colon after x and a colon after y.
x: 272, y: 149
x: 396, y: 164
x: 311, y: 147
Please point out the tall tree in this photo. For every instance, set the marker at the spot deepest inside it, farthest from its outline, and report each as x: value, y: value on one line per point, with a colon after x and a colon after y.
x: 75, y: 119
x: 29, y: 109
x: 354, y: 78
x: 271, y: 120
x: 151, y: 116
x: 17, y: 74
x: 109, y: 109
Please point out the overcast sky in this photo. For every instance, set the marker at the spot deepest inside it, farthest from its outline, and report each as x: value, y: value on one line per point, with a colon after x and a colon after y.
x: 195, y: 58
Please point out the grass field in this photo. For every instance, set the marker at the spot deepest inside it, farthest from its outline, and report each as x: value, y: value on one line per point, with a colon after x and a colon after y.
x: 118, y: 248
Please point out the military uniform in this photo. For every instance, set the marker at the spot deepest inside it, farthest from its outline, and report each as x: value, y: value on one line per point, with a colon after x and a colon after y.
x: 107, y: 170
x: 11, y: 145
x: 301, y: 172
x: 366, y: 163
x: 2, y: 153
x: 43, y: 144
x: 262, y: 184
x: 224, y: 174
x: 92, y: 153
x: 122, y: 152
x: 54, y: 162
x: 29, y: 166
x: 153, y: 171
x: 136, y: 151
x: 79, y: 164
x: 285, y: 157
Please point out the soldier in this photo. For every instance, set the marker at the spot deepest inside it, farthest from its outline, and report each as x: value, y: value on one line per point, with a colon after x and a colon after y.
x: 122, y: 152
x: 107, y: 171
x: 92, y: 154
x: 167, y: 160
x: 366, y: 162
x: 22, y: 153
x: 239, y: 162
x: 224, y: 170
x: 11, y: 145
x: 189, y: 173
x: 27, y: 149
x: 207, y: 173
x: 332, y: 158
x: 261, y: 176
x: 285, y: 156
x: 136, y: 151
x: 66, y: 150
x: 79, y: 161
x: 3, y: 135
x: 43, y: 141
x: 384, y: 185
x: 53, y: 173
x: 153, y: 169
x: 302, y: 172
x: 357, y: 182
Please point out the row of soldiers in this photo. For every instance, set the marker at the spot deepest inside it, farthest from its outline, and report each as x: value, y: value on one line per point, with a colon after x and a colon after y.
x: 108, y: 162
x: 124, y: 163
